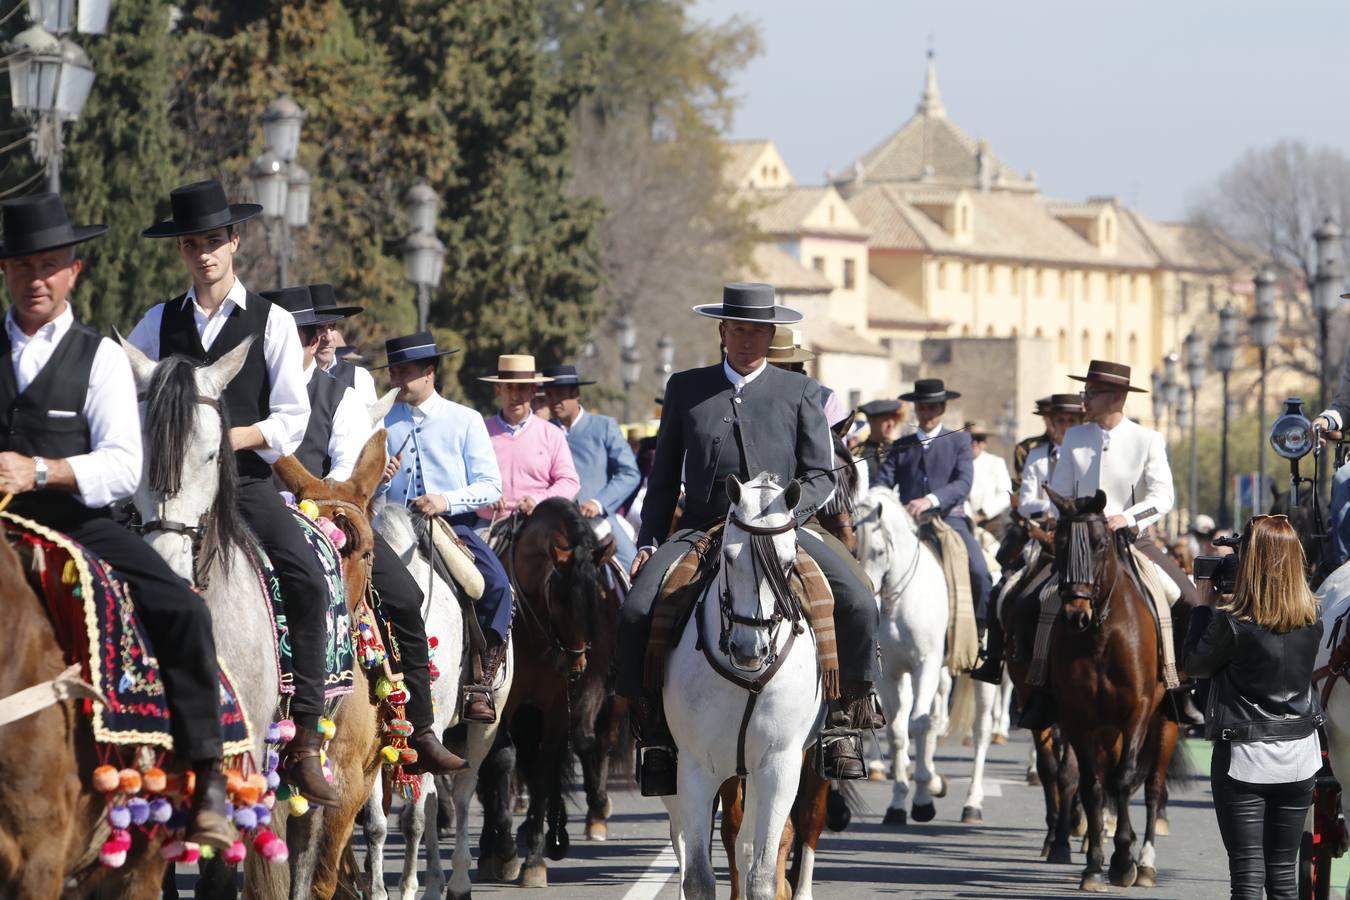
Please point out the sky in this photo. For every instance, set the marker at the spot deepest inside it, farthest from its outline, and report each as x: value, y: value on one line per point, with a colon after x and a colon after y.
x: 1145, y: 100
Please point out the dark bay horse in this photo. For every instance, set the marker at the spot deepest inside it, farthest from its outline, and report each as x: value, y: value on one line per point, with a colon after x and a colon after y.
x: 1104, y: 674
x: 560, y: 702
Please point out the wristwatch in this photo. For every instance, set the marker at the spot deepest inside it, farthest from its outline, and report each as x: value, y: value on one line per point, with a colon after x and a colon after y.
x: 39, y: 472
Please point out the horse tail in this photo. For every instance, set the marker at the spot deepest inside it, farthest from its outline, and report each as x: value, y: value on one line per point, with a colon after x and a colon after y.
x: 1182, y: 772
x: 961, y: 717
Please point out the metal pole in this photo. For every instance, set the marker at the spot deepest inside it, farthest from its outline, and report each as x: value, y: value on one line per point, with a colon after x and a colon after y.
x: 283, y: 255
x: 1223, y: 459
x: 1322, y: 316
x: 1195, y: 473
x: 423, y: 306
x: 627, y: 403
x: 53, y: 127
x: 1261, y: 439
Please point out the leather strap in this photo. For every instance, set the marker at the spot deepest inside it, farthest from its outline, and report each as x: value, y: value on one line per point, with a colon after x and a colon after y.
x: 66, y: 686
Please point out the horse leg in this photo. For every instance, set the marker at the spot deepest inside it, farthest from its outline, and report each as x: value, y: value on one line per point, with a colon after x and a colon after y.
x: 462, y: 790
x: 813, y: 796
x: 986, y: 696
x: 430, y: 838
x: 1068, y: 780
x: 1047, y: 769
x: 376, y: 831
x: 1091, y: 790
x: 691, y: 811
x: 591, y: 752
x: 929, y: 721
x: 530, y: 835
x: 1155, y: 796
x: 771, y: 789
x: 413, y: 823
x: 497, y: 859
x: 1134, y: 737
x: 898, y: 701
x: 733, y: 813
x: 1002, y: 720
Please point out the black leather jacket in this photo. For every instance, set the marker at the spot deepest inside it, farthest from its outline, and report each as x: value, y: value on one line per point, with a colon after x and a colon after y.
x: 1261, y: 682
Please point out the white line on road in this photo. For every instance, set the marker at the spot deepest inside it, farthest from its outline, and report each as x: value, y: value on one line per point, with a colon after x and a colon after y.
x: 650, y: 883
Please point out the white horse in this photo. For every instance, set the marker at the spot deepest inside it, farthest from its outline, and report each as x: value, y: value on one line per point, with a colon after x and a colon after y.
x: 1334, y: 597
x: 445, y: 623
x: 914, y: 684
x: 737, y: 624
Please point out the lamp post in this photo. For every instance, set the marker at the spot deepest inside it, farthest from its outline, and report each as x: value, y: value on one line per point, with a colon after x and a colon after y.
x: 1159, y: 401
x: 49, y: 81
x: 1007, y: 426
x: 630, y: 361
x: 423, y: 252
x: 62, y: 16
x: 280, y: 184
x: 1224, y: 355
x: 1169, y: 389
x: 1326, y: 294
x: 1195, y: 374
x: 665, y: 354
x: 1264, y: 327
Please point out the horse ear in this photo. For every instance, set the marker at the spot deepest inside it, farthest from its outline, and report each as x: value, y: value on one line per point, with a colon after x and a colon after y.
x: 1097, y: 503
x: 142, y: 366
x: 211, y: 381
x: 293, y: 474
x: 792, y: 495
x: 380, y: 408
x: 733, y: 489
x: 1062, y: 503
x: 365, y: 477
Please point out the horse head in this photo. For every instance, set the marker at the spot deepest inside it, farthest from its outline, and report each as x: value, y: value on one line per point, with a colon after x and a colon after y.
x: 887, y: 542
x: 187, y: 432
x: 759, y: 546
x: 1083, y: 546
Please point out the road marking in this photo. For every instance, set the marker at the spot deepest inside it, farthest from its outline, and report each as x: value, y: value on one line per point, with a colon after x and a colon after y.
x: 656, y: 876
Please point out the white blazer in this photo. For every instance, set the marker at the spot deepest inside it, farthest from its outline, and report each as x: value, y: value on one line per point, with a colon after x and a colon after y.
x: 1129, y: 463
x: 1036, y: 472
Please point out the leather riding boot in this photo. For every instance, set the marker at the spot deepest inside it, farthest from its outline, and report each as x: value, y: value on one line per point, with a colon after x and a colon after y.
x: 301, y: 768
x: 432, y: 755
x: 658, y: 762
x: 860, y: 707
x: 990, y: 671
x: 1186, y: 712
x: 478, y: 705
x: 1040, y: 712
x: 208, y: 820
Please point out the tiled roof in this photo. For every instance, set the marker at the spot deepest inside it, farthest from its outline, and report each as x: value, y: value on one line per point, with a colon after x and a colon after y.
x: 1183, y: 245
x: 931, y: 150
x: 784, y: 210
x: 826, y: 336
x: 740, y: 157
x: 773, y: 266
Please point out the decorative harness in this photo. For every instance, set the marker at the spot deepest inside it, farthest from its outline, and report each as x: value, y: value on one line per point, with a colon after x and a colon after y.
x: 763, y: 559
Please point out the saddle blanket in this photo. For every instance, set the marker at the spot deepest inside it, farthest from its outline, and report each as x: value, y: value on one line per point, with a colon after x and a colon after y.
x: 339, y: 653
x: 96, y: 625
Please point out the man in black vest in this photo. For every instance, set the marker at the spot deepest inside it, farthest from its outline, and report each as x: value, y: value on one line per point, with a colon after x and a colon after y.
x: 70, y: 447
x: 267, y: 407
x: 742, y: 416
x: 339, y: 426
x: 345, y: 371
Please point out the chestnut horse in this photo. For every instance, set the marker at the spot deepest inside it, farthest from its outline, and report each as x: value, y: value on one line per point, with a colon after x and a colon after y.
x: 1104, y: 674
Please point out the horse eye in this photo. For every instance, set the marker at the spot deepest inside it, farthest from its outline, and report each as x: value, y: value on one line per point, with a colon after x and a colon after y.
x: 211, y: 457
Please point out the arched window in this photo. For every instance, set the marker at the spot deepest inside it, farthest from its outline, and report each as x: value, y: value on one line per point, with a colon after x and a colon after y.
x: 965, y: 331
x: 1133, y: 349
x: 1062, y: 347
x: 1087, y: 346
x: 1109, y: 345
x: 942, y: 276
x: 1013, y: 333
x: 1039, y: 333
x: 989, y: 331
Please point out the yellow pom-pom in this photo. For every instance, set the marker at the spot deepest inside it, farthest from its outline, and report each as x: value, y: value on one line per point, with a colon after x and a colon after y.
x: 298, y: 804
x: 383, y: 688
x: 389, y: 754
x: 327, y: 728
x: 309, y: 508
x: 70, y: 573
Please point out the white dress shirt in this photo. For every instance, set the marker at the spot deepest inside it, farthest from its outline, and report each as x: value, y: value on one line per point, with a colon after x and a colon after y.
x: 111, y: 470
x: 1036, y: 473
x: 1129, y: 463
x: 351, y: 429
x: 364, y: 383
x: 990, y: 487
x: 284, y: 427
x: 925, y: 438
x: 739, y: 381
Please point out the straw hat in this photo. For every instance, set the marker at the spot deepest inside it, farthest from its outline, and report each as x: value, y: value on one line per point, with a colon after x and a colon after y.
x: 516, y: 368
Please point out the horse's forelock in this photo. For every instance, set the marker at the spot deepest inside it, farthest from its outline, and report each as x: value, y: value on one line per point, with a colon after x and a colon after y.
x: 170, y: 419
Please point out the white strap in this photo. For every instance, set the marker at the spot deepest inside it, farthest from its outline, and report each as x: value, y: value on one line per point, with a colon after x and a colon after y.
x: 66, y: 686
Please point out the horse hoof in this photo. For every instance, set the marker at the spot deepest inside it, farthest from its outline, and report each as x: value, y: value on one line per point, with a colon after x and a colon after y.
x: 534, y: 877
x: 1033, y: 777
x: 1045, y: 848
x: 1161, y: 828
x: 923, y: 812
x: 999, y: 739
x: 1147, y: 877
x: 597, y: 831
x: 1060, y: 854
x: 942, y: 788
x: 876, y: 771
x: 971, y: 815
x: 487, y: 869
x: 450, y: 893
x: 895, y: 817
x: 509, y: 871
x: 556, y: 844
x: 1126, y: 877
x: 1093, y: 883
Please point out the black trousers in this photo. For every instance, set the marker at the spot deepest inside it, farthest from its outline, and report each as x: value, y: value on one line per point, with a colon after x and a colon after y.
x: 177, y: 622
x: 855, y: 611
x: 401, y: 600
x: 303, y: 591
x: 1262, y: 827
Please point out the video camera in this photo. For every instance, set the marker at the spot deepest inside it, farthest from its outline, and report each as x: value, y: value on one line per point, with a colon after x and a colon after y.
x: 1222, y: 570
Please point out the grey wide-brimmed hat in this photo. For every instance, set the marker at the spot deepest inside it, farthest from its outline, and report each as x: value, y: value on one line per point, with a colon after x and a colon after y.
x: 749, y: 302
x: 300, y: 304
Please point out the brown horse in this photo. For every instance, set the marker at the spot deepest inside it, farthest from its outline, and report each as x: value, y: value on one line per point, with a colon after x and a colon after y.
x: 564, y: 627
x: 1104, y: 674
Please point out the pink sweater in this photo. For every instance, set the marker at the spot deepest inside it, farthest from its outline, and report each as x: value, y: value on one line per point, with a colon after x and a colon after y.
x: 534, y: 461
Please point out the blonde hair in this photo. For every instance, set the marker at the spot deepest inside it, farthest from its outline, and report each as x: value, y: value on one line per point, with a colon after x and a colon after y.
x: 1272, y: 590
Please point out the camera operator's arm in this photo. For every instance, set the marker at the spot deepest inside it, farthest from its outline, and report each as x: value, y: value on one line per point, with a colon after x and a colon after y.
x: 1332, y: 419
x: 1210, y: 641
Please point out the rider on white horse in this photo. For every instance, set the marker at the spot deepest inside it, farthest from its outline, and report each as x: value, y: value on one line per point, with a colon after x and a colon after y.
x: 71, y: 447
x: 339, y: 426
x: 742, y: 417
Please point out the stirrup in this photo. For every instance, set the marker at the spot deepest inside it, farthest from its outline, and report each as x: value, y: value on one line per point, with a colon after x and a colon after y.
x: 849, y: 742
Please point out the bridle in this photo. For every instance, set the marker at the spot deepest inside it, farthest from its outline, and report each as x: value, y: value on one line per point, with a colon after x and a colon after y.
x: 1082, y: 570
x: 912, y: 569
x: 764, y: 563
x: 543, y: 624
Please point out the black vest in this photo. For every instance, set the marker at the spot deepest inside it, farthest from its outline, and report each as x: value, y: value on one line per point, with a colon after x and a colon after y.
x: 325, y: 393
x: 344, y: 372
x: 27, y: 428
x: 247, y: 398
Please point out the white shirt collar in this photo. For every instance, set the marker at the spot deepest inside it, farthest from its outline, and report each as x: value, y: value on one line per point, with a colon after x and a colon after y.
x: 428, y: 406
x: 581, y: 411
x: 516, y: 429
x: 310, y: 370
x: 51, y: 332
x: 739, y: 381
x: 238, y: 293
x: 926, y: 436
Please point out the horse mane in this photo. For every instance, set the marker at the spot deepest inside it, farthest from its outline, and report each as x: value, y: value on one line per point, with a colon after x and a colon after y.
x: 579, y: 581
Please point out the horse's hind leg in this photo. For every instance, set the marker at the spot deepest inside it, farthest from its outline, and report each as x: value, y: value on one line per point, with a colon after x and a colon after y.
x: 808, y: 821
x: 898, y: 700
x: 376, y: 832
x: 497, y: 859
x: 1067, y: 784
x: 986, y: 696
x: 1047, y: 770
x: 932, y: 691
x: 1155, y: 795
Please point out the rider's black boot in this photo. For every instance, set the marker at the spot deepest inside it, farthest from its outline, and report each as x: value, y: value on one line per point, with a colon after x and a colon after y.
x: 657, y: 761
x: 856, y: 712
x: 990, y: 671
x: 1040, y: 712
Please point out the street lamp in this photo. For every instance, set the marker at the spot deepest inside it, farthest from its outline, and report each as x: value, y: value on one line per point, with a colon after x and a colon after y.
x: 281, y: 127
x: 1326, y: 293
x: 49, y: 83
x: 61, y: 16
x: 665, y: 354
x: 630, y: 359
x: 1224, y: 356
x: 1169, y: 389
x: 1007, y: 425
x: 1159, y: 400
x: 423, y: 252
x: 1264, y: 326
x: 280, y: 184
x: 1195, y: 374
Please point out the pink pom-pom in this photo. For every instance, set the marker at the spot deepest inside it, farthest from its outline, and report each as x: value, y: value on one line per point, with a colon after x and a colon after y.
x: 235, y: 855
x: 171, y: 851
x: 286, y: 728
x: 262, y: 839
x: 269, y: 799
x: 111, y: 856
x: 191, y: 853
x: 120, y: 838
x: 333, y: 533
x: 277, y: 852
x: 397, y: 695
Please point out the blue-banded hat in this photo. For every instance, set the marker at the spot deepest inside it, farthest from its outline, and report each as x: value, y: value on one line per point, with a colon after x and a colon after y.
x: 749, y: 302
x: 349, y: 353
x: 298, y: 302
x: 411, y: 348
x: 565, y: 375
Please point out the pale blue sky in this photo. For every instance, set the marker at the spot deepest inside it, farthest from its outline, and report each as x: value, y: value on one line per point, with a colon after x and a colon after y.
x: 1144, y: 99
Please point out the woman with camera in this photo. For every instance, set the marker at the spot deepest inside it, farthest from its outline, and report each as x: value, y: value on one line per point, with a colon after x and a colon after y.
x: 1258, y: 648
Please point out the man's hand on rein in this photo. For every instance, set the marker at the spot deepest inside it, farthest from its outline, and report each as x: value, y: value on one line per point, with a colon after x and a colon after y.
x: 430, y: 504
x: 18, y: 473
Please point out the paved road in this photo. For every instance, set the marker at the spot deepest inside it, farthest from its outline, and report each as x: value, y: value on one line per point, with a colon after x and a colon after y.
x: 940, y: 859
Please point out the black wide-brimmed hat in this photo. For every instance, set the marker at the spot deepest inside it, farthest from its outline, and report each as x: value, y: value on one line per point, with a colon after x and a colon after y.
x: 300, y: 304
x: 411, y: 348
x: 1113, y: 374
x: 929, y: 390
x: 349, y: 353
x: 976, y: 432
x: 1043, y: 405
x: 1063, y: 403
x: 875, y: 408
x: 39, y: 222
x: 325, y: 301
x: 565, y: 375
x: 200, y: 207
x: 749, y: 302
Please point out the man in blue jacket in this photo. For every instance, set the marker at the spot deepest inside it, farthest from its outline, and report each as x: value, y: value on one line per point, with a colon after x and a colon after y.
x: 604, y: 461
x: 932, y: 469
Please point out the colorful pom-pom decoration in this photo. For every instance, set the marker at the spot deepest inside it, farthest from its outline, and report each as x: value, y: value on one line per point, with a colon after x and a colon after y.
x: 398, y: 695
x: 273, y: 733
x: 160, y: 810
x: 389, y: 755
x: 298, y: 804
x: 119, y: 816
x: 284, y: 791
x: 259, y: 781
x: 154, y: 781
x: 264, y: 814
x: 105, y: 779
x: 271, y: 847
x: 407, y: 756
x: 111, y: 857
x: 191, y: 853
x: 327, y: 728
x: 246, y: 818
x: 383, y: 688
x: 273, y: 761
x: 171, y: 850
x: 288, y: 497
x: 309, y: 509
x: 121, y: 838
x: 335, y: 535
x: 206, y: 851
x: 248, y: 794
x: 139, y: 808
x: 235, y: 855
x: 400, y: 727
x: 129, y: 781
x: 234, y: 780
x: 273, y: 780
x: 287, y: 729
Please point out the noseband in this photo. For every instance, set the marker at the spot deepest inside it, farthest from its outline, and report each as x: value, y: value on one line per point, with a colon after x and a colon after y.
x: 765, y: 562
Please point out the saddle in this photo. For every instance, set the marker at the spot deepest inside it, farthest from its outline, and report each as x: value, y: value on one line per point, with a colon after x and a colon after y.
x: 963, y: 637
x: 456, y: 558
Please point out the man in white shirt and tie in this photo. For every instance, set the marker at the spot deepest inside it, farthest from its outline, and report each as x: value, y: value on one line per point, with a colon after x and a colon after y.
x: 990, y: 486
